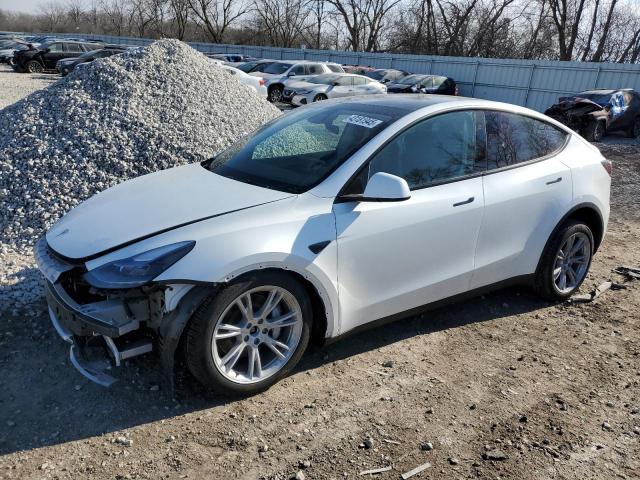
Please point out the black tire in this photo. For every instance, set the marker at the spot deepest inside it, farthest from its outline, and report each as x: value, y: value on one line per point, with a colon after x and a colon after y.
x: 544, y: 283
x: 275, y: 94
x: 634, y: 128
x: 594, y: 131
x: 34, y: 66
x: 199, y: 336
x: 319, y: 97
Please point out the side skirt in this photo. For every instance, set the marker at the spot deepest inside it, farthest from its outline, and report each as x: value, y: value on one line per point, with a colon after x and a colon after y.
x: 522, y: 280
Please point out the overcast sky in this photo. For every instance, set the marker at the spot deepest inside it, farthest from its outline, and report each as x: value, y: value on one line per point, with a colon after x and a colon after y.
x: 29, y: 6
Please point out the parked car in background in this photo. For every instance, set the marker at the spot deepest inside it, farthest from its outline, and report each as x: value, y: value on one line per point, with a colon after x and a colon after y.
x: 257, y: 83
x: 386, y: 75
x: 67, y: 65
x: 333, y: 217
x: 232, y: 57
x: 330, y: 85
x: 434, y: 84
x: 46, y: 56
x: 357, y: 69
x: 8, y: 49
x: 254, y: 65
x: 595, y: 112
x: 278, y: 72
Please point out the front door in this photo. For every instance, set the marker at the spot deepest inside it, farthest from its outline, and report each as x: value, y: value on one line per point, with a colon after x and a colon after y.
x: 396, y: 256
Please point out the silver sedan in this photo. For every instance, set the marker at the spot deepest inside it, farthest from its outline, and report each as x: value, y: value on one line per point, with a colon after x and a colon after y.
x: 331, y: 85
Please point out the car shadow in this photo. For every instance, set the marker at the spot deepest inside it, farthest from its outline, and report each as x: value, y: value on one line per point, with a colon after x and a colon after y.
x: 45, y: 402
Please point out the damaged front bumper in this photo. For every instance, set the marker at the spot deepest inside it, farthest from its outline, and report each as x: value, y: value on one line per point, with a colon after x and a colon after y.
x: 103, y: 330
x: 105, y: 327
x: 98, y: 332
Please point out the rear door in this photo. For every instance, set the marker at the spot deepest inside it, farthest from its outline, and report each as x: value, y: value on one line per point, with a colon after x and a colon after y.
x: 55, y: 52
x: 526, y: 190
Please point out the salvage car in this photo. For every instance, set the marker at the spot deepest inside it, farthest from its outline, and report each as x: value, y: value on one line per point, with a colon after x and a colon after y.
x: 331, y: 218
x: 278, y: 72
x: 435, y: 84
x: 67, y: 65
x: 46, y: 56
x: 596, y: 112
x: 330, y: 85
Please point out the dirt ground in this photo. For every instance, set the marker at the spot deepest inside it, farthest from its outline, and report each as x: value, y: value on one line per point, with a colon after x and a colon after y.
x: 502, y: 386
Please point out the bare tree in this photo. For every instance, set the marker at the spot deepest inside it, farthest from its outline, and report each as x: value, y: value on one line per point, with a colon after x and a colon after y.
x: 282, y: 20
x: 364, y: 21
x: 216, y: 16
x: 567, y: 16
x: 180, y: 12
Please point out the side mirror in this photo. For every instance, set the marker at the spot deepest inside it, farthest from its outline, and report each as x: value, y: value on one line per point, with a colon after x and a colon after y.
x: 291, y: 74
x: 384, y: 187
x: 47, y: 50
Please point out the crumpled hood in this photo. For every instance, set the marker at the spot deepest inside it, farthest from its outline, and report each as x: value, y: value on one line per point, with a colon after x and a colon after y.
x: 567, y: 103
x: 149, y: 205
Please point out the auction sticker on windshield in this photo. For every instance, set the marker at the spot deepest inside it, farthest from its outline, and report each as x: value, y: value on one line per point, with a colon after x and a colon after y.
x: 363, y: 121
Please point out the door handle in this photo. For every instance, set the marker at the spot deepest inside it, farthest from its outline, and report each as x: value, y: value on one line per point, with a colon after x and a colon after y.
x: 557, y: 180
x: 468, y: 200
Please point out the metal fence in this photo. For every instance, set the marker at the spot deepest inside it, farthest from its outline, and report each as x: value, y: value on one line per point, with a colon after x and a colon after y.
x: 532, y: 83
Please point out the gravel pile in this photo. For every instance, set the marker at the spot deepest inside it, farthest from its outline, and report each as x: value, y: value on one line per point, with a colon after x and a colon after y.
x: 114, y: 119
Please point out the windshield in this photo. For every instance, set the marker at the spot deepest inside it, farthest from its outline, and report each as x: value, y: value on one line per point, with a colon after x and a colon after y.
x: 277, y: 68
x: 325, y: 79
x: 298, y: 150
x: 411, y: 79
x: 376, y: 74
x: 246, y: 67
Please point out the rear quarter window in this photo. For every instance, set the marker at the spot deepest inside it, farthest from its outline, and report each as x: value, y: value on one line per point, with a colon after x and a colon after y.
x: 513, y: 139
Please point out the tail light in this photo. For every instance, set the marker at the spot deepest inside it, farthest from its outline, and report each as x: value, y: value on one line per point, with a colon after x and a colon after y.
x: 608, y: 165
x: 262, y: 81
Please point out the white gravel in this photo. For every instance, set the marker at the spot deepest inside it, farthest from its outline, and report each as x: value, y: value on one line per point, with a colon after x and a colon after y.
x: 115, y: 119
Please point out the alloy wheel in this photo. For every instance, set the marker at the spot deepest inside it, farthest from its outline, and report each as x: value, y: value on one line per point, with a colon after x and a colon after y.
x: 257, y: 334
x: 35, y: 67
x: 572, y: 262
x: 275, y: 95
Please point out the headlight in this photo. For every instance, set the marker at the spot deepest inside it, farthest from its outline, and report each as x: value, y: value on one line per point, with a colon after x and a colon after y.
x: 137, y: 270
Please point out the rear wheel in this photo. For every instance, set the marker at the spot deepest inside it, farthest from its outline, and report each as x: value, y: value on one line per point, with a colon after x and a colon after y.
x: 249, y: 335
x: 565, y: 262
x: 594, y: 131
x: 634, y: 128
x: 319, y: 97
x: 34, y: 67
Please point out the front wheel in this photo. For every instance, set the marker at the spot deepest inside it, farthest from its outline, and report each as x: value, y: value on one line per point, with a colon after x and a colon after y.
x: 594, y: 131
x: 565, y: 262
x: 249, y: 335
x: 634, y: 128
x: 275, y: 94
x: 319, y: 97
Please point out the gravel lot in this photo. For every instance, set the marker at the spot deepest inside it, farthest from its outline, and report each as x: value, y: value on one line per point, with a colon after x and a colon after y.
x: 14, y: 86
x: 502, y: 386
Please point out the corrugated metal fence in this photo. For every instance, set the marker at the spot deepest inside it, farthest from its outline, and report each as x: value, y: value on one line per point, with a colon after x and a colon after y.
x: 533, y: 83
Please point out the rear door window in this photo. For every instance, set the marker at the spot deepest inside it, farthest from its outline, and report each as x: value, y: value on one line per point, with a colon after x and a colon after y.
x: 513, y: 139
x: 73, y: 48
x: 314, y: 69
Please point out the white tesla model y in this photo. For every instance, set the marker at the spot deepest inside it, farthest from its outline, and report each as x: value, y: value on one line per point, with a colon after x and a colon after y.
x: 332, y: 217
